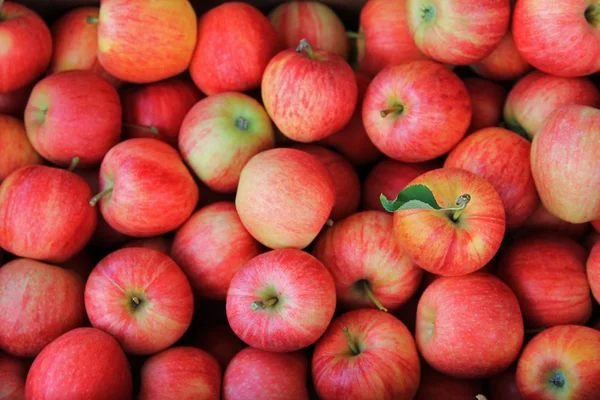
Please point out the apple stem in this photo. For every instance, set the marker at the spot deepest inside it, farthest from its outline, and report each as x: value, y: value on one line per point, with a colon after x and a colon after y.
x: 1, y: 4
x: 136, y: 302
x: 480, y: 397
x: 259, y: 305
x: 74, y: 161
x: 152, y: 129
x: 371, y: 295
x: 388, y: 111
x: 462, y: 202
x: 329, y: 222
x: 241, y: 123
x: 90, y: 19
x: 355, y: 35
x: 304, y: 45
x: 351, y: 343
x: 100, y: 195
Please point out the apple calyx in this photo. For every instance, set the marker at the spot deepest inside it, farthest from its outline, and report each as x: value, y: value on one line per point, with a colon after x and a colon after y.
x: 151, y: 129
x: 428, y: 13
x: 94, y: 200
x: 329, y: 222
x: 592, y: 15
x: 304, y: 45
x: 136, y: 302
x: 355, y: 35
x: 259, y: 305
x: 557, y: 380
x: 351, y: 343
x: 364, y: 286
x: 395, y: 109
x: 73, y: 165
x: 91, y: 19
x: 241, y: 123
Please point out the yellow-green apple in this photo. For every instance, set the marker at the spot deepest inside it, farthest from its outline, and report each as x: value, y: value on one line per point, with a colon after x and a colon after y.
x: 219, y: 341
x: 416, y: 111
x: 547, y: 274
x: 441, y: 32
x: 533, y: 98
x: 15, y: 149
x: 235, y: 42
x: 542, y: 221
x: 593, y: 270
x: 145, y: 188
x: 565, y: 163
x: 284, y: 197
x: 503, y: 386
x: 245, y: 377
x: 590, y: 240
x: 435, y: 385
x: 456, y: 333
x: 505, y: 63
x: 14, y: 103
x: 158, y: 243
x: 13, y: 373
x: 502, y: 158
x: 561, y: 363
x: 141, y: 297
x: 269, y: 295
x: 183, y: 373
x: 220, y: 134
x: 211, y: 247
x: 25, y: 46
x: 157, y: 110
x: 310, y: 20
x: 82, y: 363
x: 143, y: 42
x: 38, y: 303
x: 45, y: 213
x: 354, y: 343
x: 344, y: 177
x: 487, y: 99
x: 73, y: 114
x: 368, y: 267
x: 558, y: 37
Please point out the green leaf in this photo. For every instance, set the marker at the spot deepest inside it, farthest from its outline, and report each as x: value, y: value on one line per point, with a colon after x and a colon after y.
x: 412, y: 197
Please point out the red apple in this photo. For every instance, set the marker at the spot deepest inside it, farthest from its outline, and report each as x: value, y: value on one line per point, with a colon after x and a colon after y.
x: 145, y: 188
x: 487, y: 98
x: 25, y: 46
x: 211, y: 247
x: 13, y: 372
x: 593, y: 270
x: 565, y: 163
x: 159, y: 243
x: 535, y: 96
x: 366, y: 354
x: 157, y: 110
x: 220, y: 342
x: 45, y: 213
x: 16, y: 151
x: 268, y: 298
x: 142, y: 42
x: 435, y: 385
x: 73, y: 114
x: 558, y: 37
x: 82, y: 363
x: 284, y: 197
x: 561, y: 362
x: 235, y: 42
x: 542, y: 221
x: 416, y: 111
x: 503, y: 386
x: 220, y: 134
x: 14, y: 103
x: 257, y: 374
x: 505, y: 63
x: 183, y: 373
x: 141, y: 297
x: 459, y: 332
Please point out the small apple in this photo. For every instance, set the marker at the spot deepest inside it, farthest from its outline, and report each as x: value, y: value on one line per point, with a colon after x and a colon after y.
x: 543, y: 221
x: 13, y: 373
x: 219, y: 341
x: 435, y: 385
x: 14, y: 103
x: 158, y: 243
x: 487, y: 98
x: 503, y: 386
x: 593, y: 270
x: 16, y: 150
x: 505, y: 63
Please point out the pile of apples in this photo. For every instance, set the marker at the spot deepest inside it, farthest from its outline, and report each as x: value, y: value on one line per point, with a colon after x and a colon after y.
x: 259, y: 204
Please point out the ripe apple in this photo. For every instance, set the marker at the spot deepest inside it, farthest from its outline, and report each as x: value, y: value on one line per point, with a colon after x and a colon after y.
x: 45, y: 213
x: 219, y: 341
x: 503, y: 386
x: 565, y: 163
x: 344, y: 359
x: 416, y: 111
x: 145, y: 42
x: 593, y: 270
x: 561, y: 362
x: 25, y: 45
x: 145, y: 188
x: 73, y: 114
x: 14, y: 103
x: 13, y: 372
x: 141, y: 297
x: 435, y: 385
x: 211, y: 247
x: 505, y: 63
x: 82, y: 363
x: 458, y: 331
x: 542, y: 221
x: 159, y: 243
x: 487, y: 99
x: 248, y: 376
x: 368, y: 267
x: 235, y: 42
x: 183, y: 373
x: 284, y: 197
x: 533, y: 98
x: 16, y: 150
x: 220, y: 134
x: 268, y: 298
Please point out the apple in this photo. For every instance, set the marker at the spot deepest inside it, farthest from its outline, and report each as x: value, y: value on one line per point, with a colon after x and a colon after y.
x: 441, y: 32
x: 13, y: 372
x: 366, y: 354
x: 211, y: 247
x: 183, y: 373
x: 220, y: 342
x: 565, y: 46
x: 73, y: 114
x: 458, y: 330
x: 284, y: 197
x: 82, y: 363
x: 561, y: 362
x: 590, y: 240
x: 487, y: 98
x: 503, y: 386
x: 435, y: 385
x: 542, y: 221
x: 269, y: 295
x: 235, y: 42
x: 593, y: 270
x: 145, y: 188
x: 25, y: 45
x: 310, y: 20
x: 368, y: 267
x: 533, y: 98
x: 416, y: 111
x: 141, y: 297
x: 45, y: 213
x: 16, y: 150
x: 565, y: 163
x: 14, y: 103
x: 257, y: 374
x: 220, y: 134
x: 505, y: 63
x: 159, y: 243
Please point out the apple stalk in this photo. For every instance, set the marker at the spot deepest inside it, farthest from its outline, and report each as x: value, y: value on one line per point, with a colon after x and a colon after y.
x: 1, y: 4
x: 395, y: 109
x: 355, y: 35
x: 151, y: 129
x: 94, y: 200
x: 351, y: 343
x: 90, y: 19
x: 366, y: 288
x: 259, y: 305
x: 74, y: 162
x: 304, y: 45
